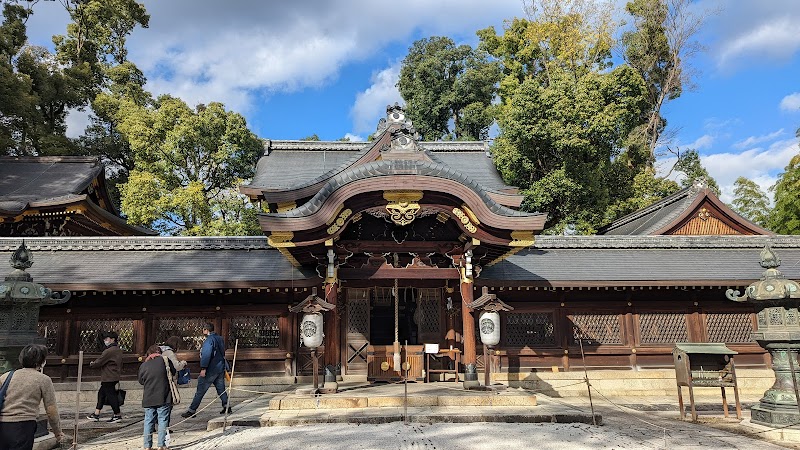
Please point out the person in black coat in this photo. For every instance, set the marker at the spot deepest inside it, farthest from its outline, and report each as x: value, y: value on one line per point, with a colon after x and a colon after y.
x: 156, y: 396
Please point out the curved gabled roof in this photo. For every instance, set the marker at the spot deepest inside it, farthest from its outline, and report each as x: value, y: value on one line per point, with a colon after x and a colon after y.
x: 383, y: 168
x: 292, y: 165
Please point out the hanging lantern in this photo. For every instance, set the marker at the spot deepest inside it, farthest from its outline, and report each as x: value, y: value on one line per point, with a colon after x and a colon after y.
x: 489, y: 325
x: 311, y: 330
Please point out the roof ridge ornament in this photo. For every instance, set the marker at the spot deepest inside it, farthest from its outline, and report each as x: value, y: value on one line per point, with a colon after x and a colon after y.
x: 404, y: 136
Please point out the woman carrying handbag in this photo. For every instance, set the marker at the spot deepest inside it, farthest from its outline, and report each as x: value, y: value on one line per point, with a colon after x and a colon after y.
x: 156, y: 375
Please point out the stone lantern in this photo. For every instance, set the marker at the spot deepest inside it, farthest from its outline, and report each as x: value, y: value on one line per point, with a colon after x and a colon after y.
x: 776, y: 301
x: 20, y: 299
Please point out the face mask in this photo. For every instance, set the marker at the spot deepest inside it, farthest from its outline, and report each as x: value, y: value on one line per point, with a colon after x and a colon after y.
x: 108, y: 342
x: 41, y: 369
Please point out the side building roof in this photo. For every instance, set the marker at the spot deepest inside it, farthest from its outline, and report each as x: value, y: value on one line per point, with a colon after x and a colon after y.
x: 116, y: 263
x: 673, y: 214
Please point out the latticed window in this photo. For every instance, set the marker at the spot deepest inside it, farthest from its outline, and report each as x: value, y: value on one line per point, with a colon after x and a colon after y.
x: 662, y: 328
x: 729, y: 327
x: 91, y: 332
x: 189, y: 329
x: 596, y: 328
x: 255, y: 332
x: 48, y: 329
x: 427, y: 313
x: 529, y: 329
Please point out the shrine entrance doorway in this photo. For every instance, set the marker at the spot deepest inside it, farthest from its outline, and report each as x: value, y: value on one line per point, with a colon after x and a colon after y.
x: 370, y: 328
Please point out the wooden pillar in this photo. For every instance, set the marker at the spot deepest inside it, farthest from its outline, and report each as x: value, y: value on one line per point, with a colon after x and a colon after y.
x: 333, y: 327
x: 468, y: 323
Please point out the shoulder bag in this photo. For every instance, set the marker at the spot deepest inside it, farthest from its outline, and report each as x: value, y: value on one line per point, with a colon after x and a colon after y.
x: 4, y: 389
x: 173, y: 385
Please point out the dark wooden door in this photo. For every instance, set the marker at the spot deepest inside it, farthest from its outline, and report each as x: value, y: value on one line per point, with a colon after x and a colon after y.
x: 357, y: 331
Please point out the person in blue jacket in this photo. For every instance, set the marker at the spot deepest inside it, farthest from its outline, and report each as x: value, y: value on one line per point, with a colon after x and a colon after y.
x: 212, y: 371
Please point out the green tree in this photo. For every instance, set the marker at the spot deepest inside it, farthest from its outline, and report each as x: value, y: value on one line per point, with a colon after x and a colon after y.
x: 689, y: 163
x: 660, y: 47
x: 16, y: 100
x: 785, y: 217
x: 188, y: 165
x: 750, y: 201
x: 566, y: 114
x: 647, y: 189
x: 448, y: 89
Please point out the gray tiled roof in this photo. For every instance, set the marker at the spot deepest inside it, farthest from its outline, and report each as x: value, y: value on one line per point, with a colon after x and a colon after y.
x: 112, y: 262
x: 707, y: 260
x: 552, y: 261
x: 654, y: 217
x: 292, y: 163
x: 399, y: 167
x: 28, y: 180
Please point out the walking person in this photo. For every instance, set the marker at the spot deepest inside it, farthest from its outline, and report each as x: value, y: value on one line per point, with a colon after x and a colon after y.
x: 156, y: 396
x: 172, y: 345
x: 212, y: 371
x: 110, y: 365
x: 27, y: 389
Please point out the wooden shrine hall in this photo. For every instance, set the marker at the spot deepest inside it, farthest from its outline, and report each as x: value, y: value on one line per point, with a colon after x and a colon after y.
x: 400, y: 235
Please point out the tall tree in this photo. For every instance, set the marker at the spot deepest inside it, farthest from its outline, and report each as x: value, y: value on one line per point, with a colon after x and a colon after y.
x: 750, y: 201
x: 647, y: 189
x: 188, y: 165
x: 786, y: 214
x: 692, y: 167
x: 448, y: 89
x: 565, y: 114
x: 660, y: 47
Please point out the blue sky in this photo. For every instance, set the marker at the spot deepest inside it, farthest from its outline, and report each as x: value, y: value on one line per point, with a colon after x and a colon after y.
x: 330, y: 66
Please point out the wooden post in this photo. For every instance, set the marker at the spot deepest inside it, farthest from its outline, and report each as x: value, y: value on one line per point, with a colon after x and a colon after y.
x: 333, y: 342
x: 468, y: 321
x: 487, y: 366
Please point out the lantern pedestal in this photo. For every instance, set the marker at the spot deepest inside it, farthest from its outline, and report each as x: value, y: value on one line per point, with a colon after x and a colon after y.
x: 779, y: 407
x: 777, y: 302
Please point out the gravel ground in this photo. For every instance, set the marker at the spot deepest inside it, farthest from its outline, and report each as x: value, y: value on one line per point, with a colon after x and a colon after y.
x: 473, y: 436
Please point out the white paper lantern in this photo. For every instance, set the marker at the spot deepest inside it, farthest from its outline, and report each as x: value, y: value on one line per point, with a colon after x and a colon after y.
x: 311, y: 330
x: 490, y: 328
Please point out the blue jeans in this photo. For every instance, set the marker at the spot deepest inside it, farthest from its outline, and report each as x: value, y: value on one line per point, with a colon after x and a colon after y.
x: 203, y: 383
x: 151, y: 414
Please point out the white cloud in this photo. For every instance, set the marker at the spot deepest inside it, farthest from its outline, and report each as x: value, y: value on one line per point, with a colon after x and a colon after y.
x: 747, y: 31
x: 759, y: 165
x: 791, y: 102
x: 354, y: 137
x: 236, y: 50
x: 753, y: 140
x: 704, y: 141
x: 370, y: 105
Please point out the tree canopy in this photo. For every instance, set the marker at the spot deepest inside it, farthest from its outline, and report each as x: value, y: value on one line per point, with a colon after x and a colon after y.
x: 188, y: 164
x: 448, y: 89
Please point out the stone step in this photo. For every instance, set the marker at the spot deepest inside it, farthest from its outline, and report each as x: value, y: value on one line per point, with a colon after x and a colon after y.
x: 338, y: 401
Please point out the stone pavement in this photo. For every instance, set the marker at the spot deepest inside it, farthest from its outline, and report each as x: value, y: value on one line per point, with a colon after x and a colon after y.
x: 634, y: 422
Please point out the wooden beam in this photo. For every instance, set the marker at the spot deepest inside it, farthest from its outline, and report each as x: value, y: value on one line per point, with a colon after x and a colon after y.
x: 388, y: 272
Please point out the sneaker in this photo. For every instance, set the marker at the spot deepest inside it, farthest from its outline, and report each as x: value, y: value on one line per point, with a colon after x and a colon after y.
x: 226, y: 409
x: 188, y: 414
x: 94, y: 417
x: 115, y: 418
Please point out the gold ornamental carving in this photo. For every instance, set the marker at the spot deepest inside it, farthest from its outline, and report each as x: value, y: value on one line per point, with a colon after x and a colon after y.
x: 521, y: 239
x: 339, y: 222
x: 464, y: 218
x: 281, y: 239
x: 704, y: 214
x: 403, y: 206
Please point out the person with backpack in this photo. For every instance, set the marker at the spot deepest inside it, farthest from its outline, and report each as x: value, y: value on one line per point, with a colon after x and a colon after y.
x: 157, y: 399
x: 212, y: 371
x: 110, y: 365
x: 23, y: 391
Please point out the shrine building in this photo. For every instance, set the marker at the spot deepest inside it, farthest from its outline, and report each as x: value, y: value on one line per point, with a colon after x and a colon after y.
x: 353, y: 223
